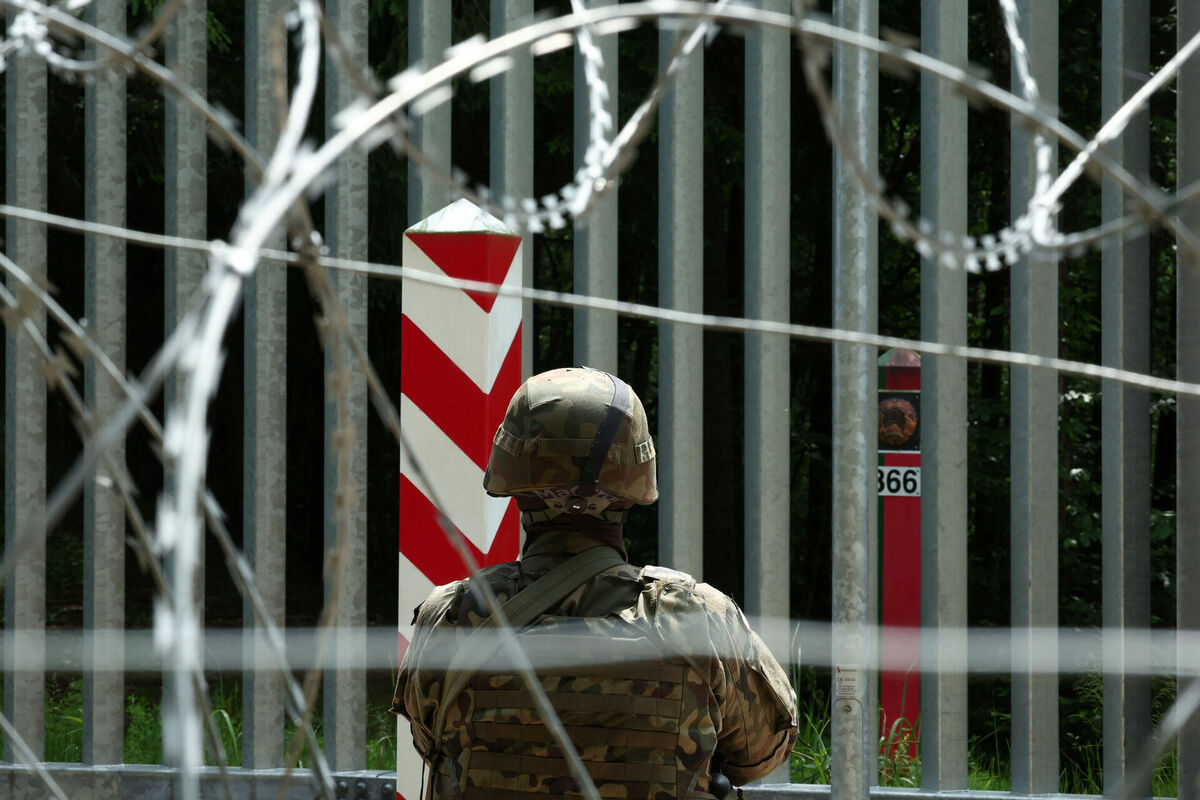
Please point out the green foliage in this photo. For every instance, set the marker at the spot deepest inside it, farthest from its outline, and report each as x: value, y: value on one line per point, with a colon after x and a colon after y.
x: 218, y: 35
x: 143, y: 729
x: 304, y: 754
x: 979, y: 776
x: 1082, y: 761
x: 989, y: 762
x: 143, y: 8
x: 1082, y: 754
x: 812, y: 755
x: 381, y: 738
x: 64, y: 720
x: 143, y: 726
x: 811, y: 760
x: 226, y: 719
x: 899, y: 760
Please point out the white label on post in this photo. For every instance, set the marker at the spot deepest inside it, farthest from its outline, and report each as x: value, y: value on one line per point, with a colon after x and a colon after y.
x: 846, y: 683
x: 899, y: 482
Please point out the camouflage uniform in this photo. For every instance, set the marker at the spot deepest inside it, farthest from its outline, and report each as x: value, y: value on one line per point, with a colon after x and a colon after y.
x: 658, y: 679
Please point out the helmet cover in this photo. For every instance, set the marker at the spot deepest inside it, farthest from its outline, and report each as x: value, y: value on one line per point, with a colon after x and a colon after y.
x: 543, y: 445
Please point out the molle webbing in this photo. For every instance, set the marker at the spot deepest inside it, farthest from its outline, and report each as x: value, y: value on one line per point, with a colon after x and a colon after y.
x: 580, y: 735
x: 582, y: 655
x: 589, y: 703
x: 623, y: 717
x: 601, y: 772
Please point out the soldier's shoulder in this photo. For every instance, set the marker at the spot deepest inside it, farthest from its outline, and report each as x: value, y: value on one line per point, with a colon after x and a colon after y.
x: 657, y: 574
x: 489, y: 573
x: 436, y: 603
x: 679, y: 589
x: 445, y: 599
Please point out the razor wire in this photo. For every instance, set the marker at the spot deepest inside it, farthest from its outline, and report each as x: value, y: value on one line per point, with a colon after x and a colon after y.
x: 293, y: 170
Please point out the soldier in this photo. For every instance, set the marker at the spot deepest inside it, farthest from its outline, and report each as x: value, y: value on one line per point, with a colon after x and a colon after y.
x: 658, y: 681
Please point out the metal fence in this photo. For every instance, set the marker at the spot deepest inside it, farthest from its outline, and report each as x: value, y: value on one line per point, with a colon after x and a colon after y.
x: 44, y: 46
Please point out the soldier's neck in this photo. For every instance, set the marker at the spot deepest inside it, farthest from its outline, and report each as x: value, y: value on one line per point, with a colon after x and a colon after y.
x: 570, y: 534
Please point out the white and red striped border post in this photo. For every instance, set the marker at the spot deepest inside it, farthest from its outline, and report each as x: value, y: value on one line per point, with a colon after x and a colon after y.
x: 461, y: 362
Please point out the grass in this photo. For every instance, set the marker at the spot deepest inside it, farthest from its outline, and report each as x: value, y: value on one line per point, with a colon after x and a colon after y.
x: 989, y: 768
x: 1083, y: 765
x: 143, y: 726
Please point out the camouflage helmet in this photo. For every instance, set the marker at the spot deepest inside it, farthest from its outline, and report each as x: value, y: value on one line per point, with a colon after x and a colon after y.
x: 574, y: 433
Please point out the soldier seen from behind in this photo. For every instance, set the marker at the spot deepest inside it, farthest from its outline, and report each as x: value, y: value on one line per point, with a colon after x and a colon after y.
x: 660, y: 684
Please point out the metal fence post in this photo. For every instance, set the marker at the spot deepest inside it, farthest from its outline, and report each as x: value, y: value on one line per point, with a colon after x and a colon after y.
x: 511, y: 137
x: 264, y: 471
x: 428, y: 38
x: 767, y: 366
x: 104, y: 306
x: 943, y: 710
x: 25, y: 87
x: 185, y: 207
x: 1187, y: 444
x: 855, y: 258
x: 345, y: 520
x: 1125, y: 412
x: 596, y: 236
x: 1034, y: 400
x: 681, y: 286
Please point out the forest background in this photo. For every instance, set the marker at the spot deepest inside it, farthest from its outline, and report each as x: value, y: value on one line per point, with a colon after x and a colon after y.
x: 1080, y: 290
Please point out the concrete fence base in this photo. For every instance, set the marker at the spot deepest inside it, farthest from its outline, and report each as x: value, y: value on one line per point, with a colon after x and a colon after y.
x: 152, y: 782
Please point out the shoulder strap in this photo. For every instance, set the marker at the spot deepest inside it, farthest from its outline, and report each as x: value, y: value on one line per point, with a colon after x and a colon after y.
x: 521, y: 609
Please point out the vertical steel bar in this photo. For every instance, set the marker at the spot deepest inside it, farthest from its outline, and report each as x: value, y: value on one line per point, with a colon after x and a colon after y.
x: 185, y: 214
x: 511, y: 134
x: 428, y: 38
x: 1125, y: 412
x: 855, y: 381
x: 943, y: 712
x: 345, y: 519
x: 264, y: 476
x: 596, y: 236
x: 1187, y: 431
x: 766, y: 372
x: 1034, y: 400
x: 104, y: 306
x: 681, y: 286
x: 25, y: 87
x: 186, y: 164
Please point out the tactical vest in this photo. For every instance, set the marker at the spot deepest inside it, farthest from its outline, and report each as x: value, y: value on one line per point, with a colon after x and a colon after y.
x: 638, y: 710
x: 643, y: 727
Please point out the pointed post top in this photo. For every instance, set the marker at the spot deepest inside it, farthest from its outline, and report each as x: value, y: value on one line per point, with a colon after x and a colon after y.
x: 462, y: 216
x: 900, y: 357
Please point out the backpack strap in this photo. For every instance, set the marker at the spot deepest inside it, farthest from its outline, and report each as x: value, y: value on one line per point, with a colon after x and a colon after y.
x: 520, y: 610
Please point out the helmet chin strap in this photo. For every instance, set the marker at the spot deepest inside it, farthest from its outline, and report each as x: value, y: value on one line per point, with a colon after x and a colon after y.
x: 589, y: 476
x: 549, y: 504
x: 613, y: 516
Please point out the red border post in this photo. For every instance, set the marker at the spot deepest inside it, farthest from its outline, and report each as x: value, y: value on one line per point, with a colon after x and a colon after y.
x: 461, y: 362
x: 898, y: 483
